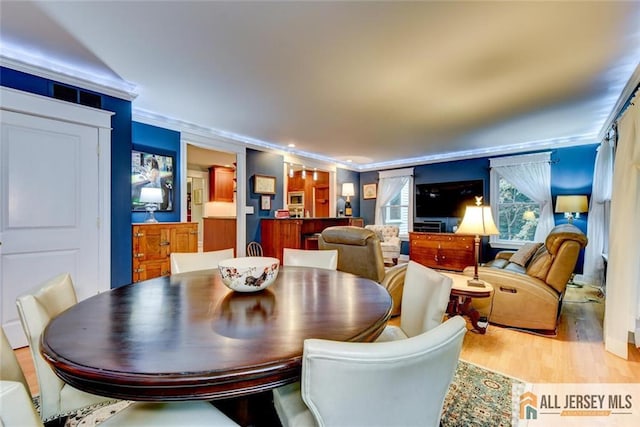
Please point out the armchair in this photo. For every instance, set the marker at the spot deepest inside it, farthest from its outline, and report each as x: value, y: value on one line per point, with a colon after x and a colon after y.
x: 389, y: 241
x: 360, y: 253
x: 528, y: 292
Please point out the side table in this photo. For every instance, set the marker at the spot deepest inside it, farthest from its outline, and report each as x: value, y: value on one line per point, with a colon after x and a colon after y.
x: 461, y: 296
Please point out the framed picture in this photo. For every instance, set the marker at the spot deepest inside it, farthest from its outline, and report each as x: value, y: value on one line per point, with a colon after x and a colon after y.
x: 263, y: 184
x: 265, y: 203
x: 369, y: 191
x: 152, y: 168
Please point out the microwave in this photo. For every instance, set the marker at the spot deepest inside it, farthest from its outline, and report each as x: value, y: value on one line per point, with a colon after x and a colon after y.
x: 295, y: 198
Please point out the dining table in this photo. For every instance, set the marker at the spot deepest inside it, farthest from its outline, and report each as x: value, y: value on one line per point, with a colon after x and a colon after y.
x: 189, y: 337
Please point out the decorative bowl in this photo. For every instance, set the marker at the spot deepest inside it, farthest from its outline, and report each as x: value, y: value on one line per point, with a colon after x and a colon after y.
x: 249, y: 274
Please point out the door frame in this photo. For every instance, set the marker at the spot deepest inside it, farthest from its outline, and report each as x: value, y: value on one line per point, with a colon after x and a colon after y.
x: 50, y: 108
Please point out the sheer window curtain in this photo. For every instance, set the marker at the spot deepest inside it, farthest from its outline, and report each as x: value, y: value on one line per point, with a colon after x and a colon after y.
x: 593, y: 271
x: 389, y: 185
x: 531, y: 175
x: 622, y: 305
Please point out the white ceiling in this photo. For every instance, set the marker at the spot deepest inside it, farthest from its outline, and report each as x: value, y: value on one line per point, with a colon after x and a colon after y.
x: 380, y: 83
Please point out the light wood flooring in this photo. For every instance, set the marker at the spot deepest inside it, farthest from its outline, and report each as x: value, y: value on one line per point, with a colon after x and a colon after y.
x: 575, y: 355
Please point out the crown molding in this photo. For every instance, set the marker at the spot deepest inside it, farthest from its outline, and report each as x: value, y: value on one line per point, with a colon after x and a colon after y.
x: 44, y: 68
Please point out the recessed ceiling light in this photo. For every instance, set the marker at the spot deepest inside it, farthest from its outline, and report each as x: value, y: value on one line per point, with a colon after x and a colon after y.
x: 292, y: 145
x: 349, y: 161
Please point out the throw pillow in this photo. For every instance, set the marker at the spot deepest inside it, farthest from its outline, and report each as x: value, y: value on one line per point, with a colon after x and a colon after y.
x: 524, y: 254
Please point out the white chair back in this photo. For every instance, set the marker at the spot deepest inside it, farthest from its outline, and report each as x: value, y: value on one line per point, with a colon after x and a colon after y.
x: 424, y: 299
x: 393, y: 383
x: 182, y: 262
x: 17, y: 409
x: 10, y: 369
x: 36, y: 309
x: 309, y: 258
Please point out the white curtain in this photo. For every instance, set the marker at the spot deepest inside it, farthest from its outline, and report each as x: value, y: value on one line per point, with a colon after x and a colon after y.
x: 597, y: 226
x: 622, y: 305
x: 390, y: 183
x: 532, y: 177
x: 388, y: 188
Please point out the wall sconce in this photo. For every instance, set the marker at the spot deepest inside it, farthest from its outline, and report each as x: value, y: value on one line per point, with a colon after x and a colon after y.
x: 290, y: 170
x: 151, y: 196
x: 571, y: 205
x: 479, y: 221
x: 303, y: 173
x: 315, y: 174
x: 348, y: 190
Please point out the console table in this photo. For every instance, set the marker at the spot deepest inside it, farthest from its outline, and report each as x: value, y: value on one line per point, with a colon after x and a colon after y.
x: 296, y: 233
x: 442, y: 251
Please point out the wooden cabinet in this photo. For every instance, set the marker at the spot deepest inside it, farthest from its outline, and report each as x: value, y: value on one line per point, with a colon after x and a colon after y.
x: 153, y: 243
x: 221, y: 184
x: 219, y: 233
x: 444, y: 251
x: 277, y: 234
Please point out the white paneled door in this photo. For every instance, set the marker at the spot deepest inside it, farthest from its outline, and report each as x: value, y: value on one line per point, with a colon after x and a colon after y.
x: 50, y: 218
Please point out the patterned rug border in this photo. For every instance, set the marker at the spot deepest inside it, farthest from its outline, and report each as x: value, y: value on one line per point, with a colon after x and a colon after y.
x: 478, y: 397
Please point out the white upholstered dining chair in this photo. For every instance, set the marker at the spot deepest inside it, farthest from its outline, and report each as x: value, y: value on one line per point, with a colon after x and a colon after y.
x: 425, y: 297
x: 310, y: 258
x: 57, y: 398
x: 182, y: 262
x: 398, y: 383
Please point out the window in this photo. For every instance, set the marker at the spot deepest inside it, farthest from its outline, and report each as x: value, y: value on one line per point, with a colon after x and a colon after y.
x: 521, y: 199
x: 517, y: 214
x: 397, y: 210
x: 394, y: 205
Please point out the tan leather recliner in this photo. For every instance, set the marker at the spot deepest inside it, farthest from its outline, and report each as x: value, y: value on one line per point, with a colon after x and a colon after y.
x: 360, y: 253
x: 530, y: 296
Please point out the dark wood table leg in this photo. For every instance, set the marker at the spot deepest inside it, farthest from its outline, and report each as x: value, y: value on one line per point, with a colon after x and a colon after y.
x: 256, y: 410
x: 462, y: 306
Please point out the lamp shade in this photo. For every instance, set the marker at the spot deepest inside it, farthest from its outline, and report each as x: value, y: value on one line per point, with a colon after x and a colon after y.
x: 479, y: 221
x: 572, y: 204
x: 151, y: 195
x: 348, y: 189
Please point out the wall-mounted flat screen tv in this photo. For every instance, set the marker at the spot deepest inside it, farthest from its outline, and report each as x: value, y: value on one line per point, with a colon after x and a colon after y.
x: 446, y: 199
x: 150, y: 168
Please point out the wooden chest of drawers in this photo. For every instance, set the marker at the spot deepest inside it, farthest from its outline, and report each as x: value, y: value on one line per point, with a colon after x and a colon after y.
x: 153, y: 243
x: 444, y: 251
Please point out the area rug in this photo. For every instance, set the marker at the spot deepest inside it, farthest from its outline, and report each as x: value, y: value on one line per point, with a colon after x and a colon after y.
x: 476, y: 397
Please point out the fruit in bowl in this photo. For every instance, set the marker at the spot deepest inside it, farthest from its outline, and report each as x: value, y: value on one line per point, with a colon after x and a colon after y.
x: 249, y: 274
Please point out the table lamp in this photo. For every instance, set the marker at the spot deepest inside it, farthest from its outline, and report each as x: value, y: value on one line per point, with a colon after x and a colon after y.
x: 151, y: 196
x: 348, y: 191
x: 478, y: 221
x: 572, y: 206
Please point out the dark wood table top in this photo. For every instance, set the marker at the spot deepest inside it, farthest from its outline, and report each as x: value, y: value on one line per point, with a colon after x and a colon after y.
x: 188, y: 336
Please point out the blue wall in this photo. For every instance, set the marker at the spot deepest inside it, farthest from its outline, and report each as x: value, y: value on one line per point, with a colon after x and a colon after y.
x: 571, y: 173
x: 165, y: 142
x: 268, y: 164
x: 344, y: 176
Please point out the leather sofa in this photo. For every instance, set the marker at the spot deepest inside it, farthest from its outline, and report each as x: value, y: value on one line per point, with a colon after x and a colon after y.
x: 389, y: 236
x: 528, y: 292
x: 360, y: 253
